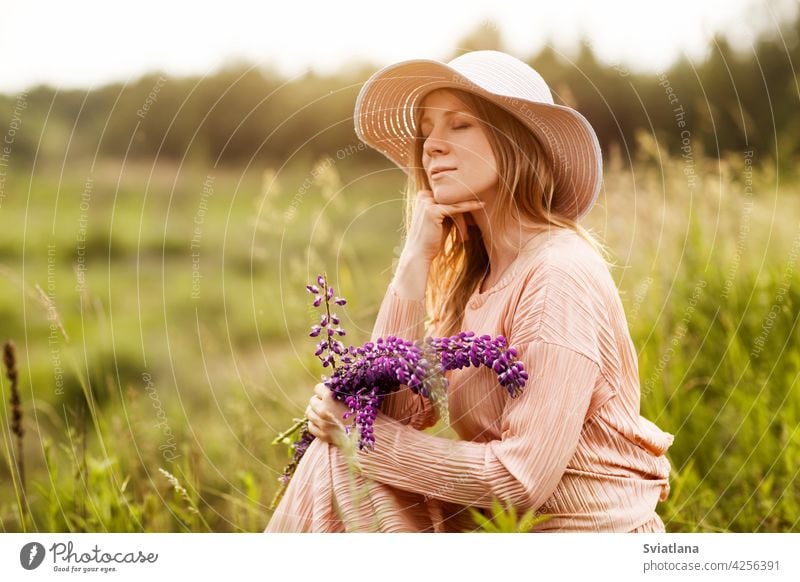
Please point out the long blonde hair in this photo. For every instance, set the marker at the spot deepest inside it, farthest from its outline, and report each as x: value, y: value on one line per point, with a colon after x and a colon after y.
x: 525, y: 200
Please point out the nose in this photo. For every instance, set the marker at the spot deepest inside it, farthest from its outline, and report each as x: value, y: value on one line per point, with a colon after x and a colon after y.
x: 434, y: 145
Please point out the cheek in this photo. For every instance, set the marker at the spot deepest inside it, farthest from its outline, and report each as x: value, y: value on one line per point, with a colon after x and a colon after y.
x: 484, y: 164
x: 483, y: 172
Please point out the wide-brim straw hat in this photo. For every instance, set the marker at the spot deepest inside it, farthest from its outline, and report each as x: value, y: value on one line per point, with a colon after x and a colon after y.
x: 384, y: 116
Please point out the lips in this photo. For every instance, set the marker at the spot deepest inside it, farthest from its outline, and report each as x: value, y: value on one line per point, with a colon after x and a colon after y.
x: 436, y: 171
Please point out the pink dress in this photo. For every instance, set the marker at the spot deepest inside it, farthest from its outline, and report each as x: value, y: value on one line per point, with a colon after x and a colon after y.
x: 573, y: 445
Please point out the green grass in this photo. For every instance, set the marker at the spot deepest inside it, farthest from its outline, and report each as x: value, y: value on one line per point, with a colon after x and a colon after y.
x: 230, y: 362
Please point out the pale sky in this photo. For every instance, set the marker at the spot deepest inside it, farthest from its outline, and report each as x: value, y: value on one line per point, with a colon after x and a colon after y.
x: 85, y: 43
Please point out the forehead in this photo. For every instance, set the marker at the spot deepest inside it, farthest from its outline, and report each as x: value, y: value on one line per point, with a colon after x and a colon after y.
x: 440, y: 103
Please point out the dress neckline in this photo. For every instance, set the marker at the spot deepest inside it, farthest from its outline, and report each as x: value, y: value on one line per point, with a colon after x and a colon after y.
x: 477, y: 298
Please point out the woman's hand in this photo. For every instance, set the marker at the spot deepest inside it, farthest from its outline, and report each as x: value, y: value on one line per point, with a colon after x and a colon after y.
x: 426, y: 234
x: 325, y: 414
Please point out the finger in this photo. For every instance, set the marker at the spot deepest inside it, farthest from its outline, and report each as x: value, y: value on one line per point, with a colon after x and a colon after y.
x: 424, y: 198
x: 338, y: 423
x: 314, y: 430
x: 314, y: 418
x: 326, y: 414
x: 323, y: 415
x: 316, y: 409
x: 458, y: 207
x: 321, y: 390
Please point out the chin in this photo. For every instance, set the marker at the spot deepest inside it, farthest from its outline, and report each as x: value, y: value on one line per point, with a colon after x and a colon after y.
x: 450, y: 195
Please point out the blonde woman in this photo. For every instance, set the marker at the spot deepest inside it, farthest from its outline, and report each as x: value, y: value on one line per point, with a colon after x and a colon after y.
x: 498, y: 179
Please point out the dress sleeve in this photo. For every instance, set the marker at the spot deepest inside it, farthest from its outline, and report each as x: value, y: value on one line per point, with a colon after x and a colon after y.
x: 540, y: 430
x: 405, y: 318
x: 557, y: 326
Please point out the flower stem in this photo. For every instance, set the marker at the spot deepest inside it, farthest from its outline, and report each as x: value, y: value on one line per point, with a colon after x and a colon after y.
x: 301, y: 422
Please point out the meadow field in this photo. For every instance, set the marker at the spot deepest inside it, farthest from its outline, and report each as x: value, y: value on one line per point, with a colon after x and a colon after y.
x: 160, y: 320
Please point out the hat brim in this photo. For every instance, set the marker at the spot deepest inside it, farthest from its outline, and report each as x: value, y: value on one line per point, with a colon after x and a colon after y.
x: 384, y: 120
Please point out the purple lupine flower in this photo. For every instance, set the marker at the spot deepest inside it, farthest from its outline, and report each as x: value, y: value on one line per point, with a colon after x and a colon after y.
x: 365, y: 375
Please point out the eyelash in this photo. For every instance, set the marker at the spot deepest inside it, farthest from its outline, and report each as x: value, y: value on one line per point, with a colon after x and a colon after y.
x: 461, y: 126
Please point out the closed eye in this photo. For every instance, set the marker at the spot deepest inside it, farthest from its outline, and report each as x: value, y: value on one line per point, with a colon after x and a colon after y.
x: 462, y: 126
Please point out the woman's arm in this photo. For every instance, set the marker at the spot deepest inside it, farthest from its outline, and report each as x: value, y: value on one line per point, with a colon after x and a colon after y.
x: 402, y: 314
x: 557, y: 326
x: 540, y: 432
x: 403, y: 310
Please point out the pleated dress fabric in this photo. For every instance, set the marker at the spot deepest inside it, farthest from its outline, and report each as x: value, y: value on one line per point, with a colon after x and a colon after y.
x: 572, y: 445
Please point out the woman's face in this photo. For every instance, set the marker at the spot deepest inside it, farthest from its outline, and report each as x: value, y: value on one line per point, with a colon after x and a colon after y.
x: 453, y: 138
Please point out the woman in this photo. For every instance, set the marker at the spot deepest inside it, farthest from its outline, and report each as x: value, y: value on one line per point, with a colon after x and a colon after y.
x: 499, y: 177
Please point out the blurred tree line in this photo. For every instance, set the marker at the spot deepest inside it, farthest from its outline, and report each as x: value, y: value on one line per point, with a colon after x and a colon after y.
x: 244, y: 114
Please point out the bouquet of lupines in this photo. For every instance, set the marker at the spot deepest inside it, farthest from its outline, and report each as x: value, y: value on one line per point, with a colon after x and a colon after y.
x: 364, y: 376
